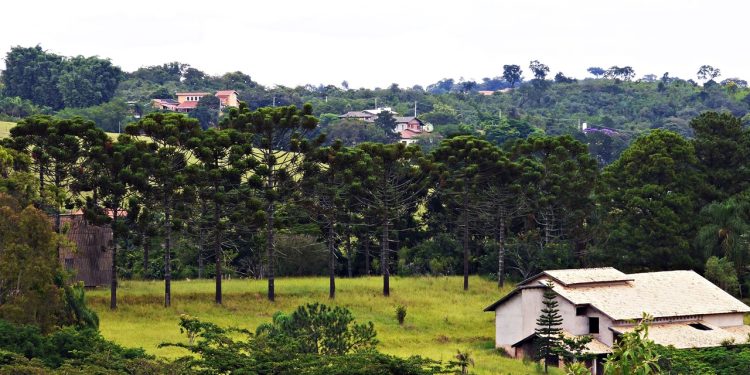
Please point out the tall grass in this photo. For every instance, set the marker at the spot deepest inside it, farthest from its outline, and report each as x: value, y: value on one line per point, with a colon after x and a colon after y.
x: 5, y: 128
x: 442, y: 318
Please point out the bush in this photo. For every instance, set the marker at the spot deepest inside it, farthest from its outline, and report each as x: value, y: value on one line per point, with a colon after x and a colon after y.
x: 400, y: 314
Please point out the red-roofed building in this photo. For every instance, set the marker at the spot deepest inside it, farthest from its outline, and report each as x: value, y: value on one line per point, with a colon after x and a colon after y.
x: 228, y: 98
x: 188, y: 101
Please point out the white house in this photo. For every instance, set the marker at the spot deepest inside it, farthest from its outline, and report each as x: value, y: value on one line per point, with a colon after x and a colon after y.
x: 689, y: 311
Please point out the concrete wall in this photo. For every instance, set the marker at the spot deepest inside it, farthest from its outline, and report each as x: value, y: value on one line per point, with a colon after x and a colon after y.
x: 509, y: 323
x: 724, y: 320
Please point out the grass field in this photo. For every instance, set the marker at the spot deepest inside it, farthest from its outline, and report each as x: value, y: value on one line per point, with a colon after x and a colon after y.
x: 441, y: 318
x: 5, y: 128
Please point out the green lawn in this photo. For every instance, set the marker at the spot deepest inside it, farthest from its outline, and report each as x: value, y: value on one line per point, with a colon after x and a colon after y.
x: 441, y: 318
x: 5, y: 128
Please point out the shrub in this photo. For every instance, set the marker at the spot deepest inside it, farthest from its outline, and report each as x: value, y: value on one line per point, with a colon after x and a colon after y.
x: 400, y: 314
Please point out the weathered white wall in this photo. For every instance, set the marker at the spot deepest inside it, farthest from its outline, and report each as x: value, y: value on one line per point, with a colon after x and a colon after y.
x: 509, y: 323
x: 724, y: 320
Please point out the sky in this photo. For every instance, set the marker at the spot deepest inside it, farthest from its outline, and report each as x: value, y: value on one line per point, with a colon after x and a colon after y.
x: 376, y: 43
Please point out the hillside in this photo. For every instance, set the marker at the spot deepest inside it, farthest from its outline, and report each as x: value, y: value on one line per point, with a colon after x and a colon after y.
x: 439, y: 321
x: 5, y: 128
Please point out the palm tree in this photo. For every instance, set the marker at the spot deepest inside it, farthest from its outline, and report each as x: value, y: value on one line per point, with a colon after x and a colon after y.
x: 724, y: 231
x: 464, y: 360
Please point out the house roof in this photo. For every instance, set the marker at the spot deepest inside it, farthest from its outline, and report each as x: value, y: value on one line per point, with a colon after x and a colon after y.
x: 357, y: 114
x: 166, y: 101
x: 193, y: 93
x: 627, y: 297
x: 187, y: 105
x: 225, y: 92
x: 593, y: 347
x: 683, y: 335
x: 406, y: 119
x: 410, y: 133
x: 580, y: 276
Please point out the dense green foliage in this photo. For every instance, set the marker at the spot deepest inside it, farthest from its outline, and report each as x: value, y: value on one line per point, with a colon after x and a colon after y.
x: 314, y: 339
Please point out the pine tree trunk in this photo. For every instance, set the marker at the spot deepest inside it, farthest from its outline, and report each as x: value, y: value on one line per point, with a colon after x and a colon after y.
x: 367, y: 256
x: 331, y: 261
x: 146, y: 250
x: 270, y: 250
x: 218, y: 255
x: 466, y: 240
x: 113, y: 281
x: 349, y: 255
x: 384, y: 261
x: 168, y: 253
x: 501, y: 254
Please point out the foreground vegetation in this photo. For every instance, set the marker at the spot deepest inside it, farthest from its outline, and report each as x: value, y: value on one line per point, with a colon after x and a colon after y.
x: 439, y: 321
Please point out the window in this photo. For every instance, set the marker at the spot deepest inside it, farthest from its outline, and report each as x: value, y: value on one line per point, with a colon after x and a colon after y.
x: 68, y: 264
x: 593, y: 325
x: 580, y: 310
x: 699, y: 326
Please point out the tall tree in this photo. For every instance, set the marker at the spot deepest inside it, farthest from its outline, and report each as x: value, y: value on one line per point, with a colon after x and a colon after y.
x: 512, y: 74
x: 32, y: 73
x: 464, y: 163
x: 708, y: 73
x: 650, y: 198
x: 548, y: 330
x: 58, y: 148
x: 387, y: 123
x: 723, y: 150
x: 109, y: 178
x: 163, y: 164
x: 222, y: 163
x: 559, y: 174
x: 391, y: 182
x: 326, y: 186
x: 539, y: 70
x: 281, y: 141
x: 596, y: 71
x: 88, y: 81
x: 724, y: 230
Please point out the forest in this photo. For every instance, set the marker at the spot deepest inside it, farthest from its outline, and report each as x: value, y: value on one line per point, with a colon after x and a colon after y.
x: 507, y: 185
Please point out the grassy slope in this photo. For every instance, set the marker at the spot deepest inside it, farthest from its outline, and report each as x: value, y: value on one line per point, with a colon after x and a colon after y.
x: 440, y: 317
x: 5, y: 130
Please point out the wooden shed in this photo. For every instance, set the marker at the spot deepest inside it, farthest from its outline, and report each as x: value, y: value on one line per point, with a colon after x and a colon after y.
x: 90, y: 260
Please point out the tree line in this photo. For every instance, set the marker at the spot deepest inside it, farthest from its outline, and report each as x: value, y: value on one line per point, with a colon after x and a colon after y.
x: 262, y: 191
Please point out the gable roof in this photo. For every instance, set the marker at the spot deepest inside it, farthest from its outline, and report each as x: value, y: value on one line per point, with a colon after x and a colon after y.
x: 684, y: 336
x: 225, y: 92
x: 581, y: 276
x: 193, y: 93
x: 627, y: 297
x: 406, y: 119
x: 188, y: 105
x: 357, y: 114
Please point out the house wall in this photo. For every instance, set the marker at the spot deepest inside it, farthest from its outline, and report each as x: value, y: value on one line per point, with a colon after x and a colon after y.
x: 509, y: 323
x: 724, y: 320
x: 579, y: 325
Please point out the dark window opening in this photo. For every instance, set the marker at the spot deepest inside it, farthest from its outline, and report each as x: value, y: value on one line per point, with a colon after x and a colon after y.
x: 580, y: 310
x: 700, y: 326
x: 593, y: 325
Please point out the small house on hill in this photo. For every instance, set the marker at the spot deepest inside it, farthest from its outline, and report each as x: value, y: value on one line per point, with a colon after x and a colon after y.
x: 90, y: 257
x: 188, y: 101
x: 688, y: 310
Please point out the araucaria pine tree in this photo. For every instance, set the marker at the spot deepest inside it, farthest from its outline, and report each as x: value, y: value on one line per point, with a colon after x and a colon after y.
x: 548, y: 329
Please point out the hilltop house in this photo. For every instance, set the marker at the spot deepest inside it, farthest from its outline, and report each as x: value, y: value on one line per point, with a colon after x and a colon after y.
x: 408, y: 127
x: 688, y: 310
x: 188, y: 101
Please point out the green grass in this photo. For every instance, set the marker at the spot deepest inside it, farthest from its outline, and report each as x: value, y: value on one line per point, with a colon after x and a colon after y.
x: 440, y: 319
x: 5, y: 128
